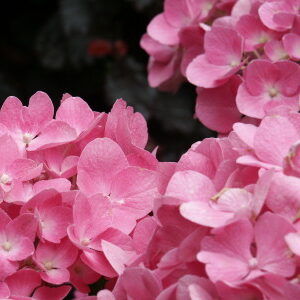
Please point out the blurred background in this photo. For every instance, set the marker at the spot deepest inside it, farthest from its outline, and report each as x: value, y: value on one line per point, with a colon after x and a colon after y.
x: 90, y: 49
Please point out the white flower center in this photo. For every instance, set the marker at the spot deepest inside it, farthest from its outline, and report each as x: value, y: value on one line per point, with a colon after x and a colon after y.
x: 48, y: 265
x: 252, y: 262
x: 273, y: 92
x: 6, y: 246
x: 4, y: 179
x: 27, y: 138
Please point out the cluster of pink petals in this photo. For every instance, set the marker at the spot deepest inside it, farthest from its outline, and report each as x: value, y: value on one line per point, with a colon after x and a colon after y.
x: 242, y: 55
x: 83, y: 201
x: 75, y: 193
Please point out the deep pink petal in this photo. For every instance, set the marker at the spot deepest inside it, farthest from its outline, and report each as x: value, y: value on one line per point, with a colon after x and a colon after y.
x: 51, y: 293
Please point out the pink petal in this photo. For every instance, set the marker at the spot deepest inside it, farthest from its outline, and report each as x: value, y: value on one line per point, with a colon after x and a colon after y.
x: 55, y: 222
x: 272, y: 254
x: 51, y: 293
x: 99, y: 263
x: 100, y: 160
x: 202, y: 213
x: 148, y: 282
x: 23, y: 282
x: 291, y: 43
x: 226, y: 254
x: 273, y: 139
x: 25, y: 169
x: 205, y: 74
x: 54, y: 134
x: 11, y: 112
x: 116, y: 256
x: 41, y: 109
x: 56, y: 276
x: 259, y: 74
x: 190, y: 186
x: 76, y: 113
x: 293, y: 241
x: 216, y: 108
x: 135, y: 199
x: 160, y: 30
x: 23, y: 225
x: 223, y: 46
x: 9, y: 152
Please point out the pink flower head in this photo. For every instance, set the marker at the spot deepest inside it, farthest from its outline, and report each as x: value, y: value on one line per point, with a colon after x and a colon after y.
x: 53, y: 217
x: 17, y: 236
x: 25, y: 123
x: 228, y: 257
x: 266, y: 82
x: 54, y: 259
x: 103, y: 168
x: 223, y: 58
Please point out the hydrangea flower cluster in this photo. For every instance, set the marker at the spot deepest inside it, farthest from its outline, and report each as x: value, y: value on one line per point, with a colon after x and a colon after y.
x: 241, y: 54
x: 76, y: 191
x: 82, y: 199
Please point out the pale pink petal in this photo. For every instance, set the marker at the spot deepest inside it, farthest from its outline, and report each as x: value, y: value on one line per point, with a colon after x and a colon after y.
x: 25, y: 169
x: 135, y: 199
x: 9, y: 152
x: 202, y: 213
x: 54, y: 223
x: 275, y: 51
x: 58, y: 184
x: 293, y: 241
x: 76, y: 113
x: 226, y: 254
x: 54, y: 134
x: 190, y: 186
x: 100, y: 160
x: 10, y: 114
x: 41, y: 109
x: 268, y: 11
x: 291, y: 43
x: 273, y: 139
x: 159, y: 51
x: 272, y: 254
x: 223, y: 46
x: 116, y: 256
x: 23, y: 225
x: 202, y: 73
x: 160, y: 30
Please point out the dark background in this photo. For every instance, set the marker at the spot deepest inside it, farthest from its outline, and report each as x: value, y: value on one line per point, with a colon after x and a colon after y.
x: 90, y: 48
